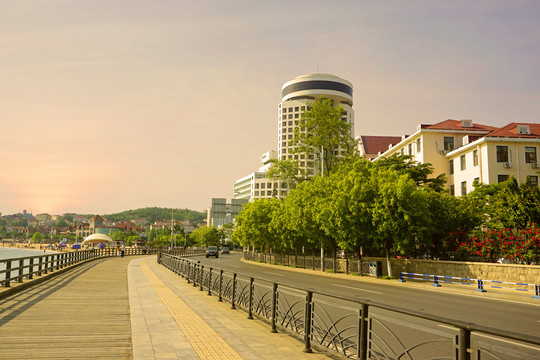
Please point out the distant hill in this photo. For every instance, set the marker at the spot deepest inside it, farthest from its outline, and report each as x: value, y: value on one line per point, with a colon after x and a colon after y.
x: 154, y: 213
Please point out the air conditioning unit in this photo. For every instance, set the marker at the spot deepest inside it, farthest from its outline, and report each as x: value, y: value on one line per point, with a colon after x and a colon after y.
x: 535, y: 165
x: 507, y: 165
x: 443, y: 152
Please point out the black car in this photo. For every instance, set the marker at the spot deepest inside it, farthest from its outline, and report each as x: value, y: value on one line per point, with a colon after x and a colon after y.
x: 212, y: 251
x: 225, y: 250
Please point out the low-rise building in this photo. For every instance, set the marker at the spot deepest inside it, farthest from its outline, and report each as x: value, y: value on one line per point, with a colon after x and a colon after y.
x: 467, y: 152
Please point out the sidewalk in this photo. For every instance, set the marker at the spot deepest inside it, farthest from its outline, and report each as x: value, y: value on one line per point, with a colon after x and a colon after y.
x: 171, y: 319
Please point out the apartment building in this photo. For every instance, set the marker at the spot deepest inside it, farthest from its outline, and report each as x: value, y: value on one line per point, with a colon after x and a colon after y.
x: 467, y: 152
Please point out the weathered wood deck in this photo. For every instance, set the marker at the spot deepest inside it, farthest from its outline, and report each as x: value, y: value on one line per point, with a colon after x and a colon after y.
x: 81, y: 314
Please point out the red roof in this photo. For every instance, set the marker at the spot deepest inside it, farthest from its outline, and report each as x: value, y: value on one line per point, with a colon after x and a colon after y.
x: 511, y: 130
x: 376, y: 144
x: 458, y: 125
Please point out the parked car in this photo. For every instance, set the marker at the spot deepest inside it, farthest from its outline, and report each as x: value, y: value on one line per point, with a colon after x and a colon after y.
x: 340, y: 254
x: 225, y: 250
x: 212, y: 251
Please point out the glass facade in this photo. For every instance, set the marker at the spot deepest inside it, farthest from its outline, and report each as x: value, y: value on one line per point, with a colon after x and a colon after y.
x: 317, y: 85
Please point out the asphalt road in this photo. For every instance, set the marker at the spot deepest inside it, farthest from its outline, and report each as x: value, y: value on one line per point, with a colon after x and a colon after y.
x: 510, y: 315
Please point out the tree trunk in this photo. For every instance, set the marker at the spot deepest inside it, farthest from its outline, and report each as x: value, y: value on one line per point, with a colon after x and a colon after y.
x: 389, y: 267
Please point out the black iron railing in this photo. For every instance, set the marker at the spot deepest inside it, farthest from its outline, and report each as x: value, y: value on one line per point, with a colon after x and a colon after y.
x: 350, y: 327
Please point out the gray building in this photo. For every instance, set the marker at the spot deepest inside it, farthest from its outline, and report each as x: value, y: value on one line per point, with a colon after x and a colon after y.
x: 221, y: 212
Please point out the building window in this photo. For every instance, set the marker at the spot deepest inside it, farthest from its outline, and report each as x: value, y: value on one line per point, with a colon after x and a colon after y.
x: 283, y: 117
x: 290, y: 116
x: 418, y: 145
x: 476, y: 181
x: 463, y: 188
x: 452, y: 190
x: 410, y: 149
x: 463, y: 162
x: 296, y: 108
x: 475, y: 157
x: 256, y: 186
x: 296, y: 116
x: 290, y: 109
x: 502, y: 178
x: 448, y: 143
x: 263, y: 185
x: 533, y: 180
x: 257, y: 193
x: 284, y: 110
x: 451, y: 167
x: 402, y: 151
x: 269, y: 185
x: 290, y: 123
x: 502, y: 154
x: 269, y: 193
x: 530, y: 154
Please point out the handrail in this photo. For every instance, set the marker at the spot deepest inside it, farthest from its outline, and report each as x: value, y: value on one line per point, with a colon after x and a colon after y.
x: 26, y: 267
x: 201, y: 276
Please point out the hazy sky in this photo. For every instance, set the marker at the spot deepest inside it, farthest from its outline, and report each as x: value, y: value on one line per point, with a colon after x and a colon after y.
x: 110, y: 105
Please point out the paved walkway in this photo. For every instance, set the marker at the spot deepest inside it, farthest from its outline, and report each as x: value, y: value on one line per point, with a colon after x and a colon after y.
x: 132, y: 308
x: 174, y: 320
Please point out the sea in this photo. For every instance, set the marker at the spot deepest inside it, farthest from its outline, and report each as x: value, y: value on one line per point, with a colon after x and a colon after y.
x: 9, y: 253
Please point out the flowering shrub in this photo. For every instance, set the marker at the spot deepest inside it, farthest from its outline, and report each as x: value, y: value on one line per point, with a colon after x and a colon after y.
x: 521, y: 246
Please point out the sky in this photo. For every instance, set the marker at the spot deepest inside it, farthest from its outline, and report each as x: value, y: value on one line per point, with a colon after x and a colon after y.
x: 111, y: 105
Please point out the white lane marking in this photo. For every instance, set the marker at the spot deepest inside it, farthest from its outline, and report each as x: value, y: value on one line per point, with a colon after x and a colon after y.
x: 272, y: 273
x: 357, y: 288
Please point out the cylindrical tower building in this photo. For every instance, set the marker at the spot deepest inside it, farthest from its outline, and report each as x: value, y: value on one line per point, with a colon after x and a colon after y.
x: 295, y: 98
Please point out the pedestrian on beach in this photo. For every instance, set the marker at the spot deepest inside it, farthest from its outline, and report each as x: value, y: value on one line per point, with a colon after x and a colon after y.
x: 118, y: 250
x: 123, y: 250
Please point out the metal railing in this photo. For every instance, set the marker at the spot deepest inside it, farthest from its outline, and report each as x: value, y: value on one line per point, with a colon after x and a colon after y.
x: 21, y: 268
x: 480, y: 284
x: 350, y: 327
x: 349, y: 266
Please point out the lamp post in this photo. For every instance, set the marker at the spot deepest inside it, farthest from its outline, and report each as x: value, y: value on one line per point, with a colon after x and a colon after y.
x: 321, y: 156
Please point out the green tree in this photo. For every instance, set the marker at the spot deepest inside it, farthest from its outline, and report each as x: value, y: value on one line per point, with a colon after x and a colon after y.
x: 399, y: 213
x: 37, y: 237
x: 419, y: 172
x: 118, y: 236
x: 288, y: 171
x: 321, y: 127
x: 253, y: 224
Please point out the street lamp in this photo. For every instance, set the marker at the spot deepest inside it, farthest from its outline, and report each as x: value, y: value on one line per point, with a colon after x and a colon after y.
x: 321, y: 156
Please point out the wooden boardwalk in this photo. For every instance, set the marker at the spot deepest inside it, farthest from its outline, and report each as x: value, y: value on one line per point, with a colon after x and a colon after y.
x: 81, y: 314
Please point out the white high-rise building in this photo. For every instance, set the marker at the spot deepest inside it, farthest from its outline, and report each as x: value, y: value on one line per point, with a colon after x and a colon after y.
x: 296, y: 95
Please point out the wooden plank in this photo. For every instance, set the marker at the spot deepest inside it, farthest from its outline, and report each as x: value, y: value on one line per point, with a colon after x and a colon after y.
x: 82, y: 314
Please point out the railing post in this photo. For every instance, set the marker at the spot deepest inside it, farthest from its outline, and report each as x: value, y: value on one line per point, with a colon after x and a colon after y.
x: 40, y: 265
x: 274, y: 307
x: 401, y: 278
x: 480, y: 286
x: 220, y: 299
x: 347, y: 265
x: 201, y: 277
x: 307, y: 323
x: 362, y: 333
x: 21, y: 268
x: 195, y: 271
x: 436, y: 281
x: 464, y: 344
x: 8, y: 273
x: 537, y: 290
x: 250, y: 307
x: 210, y: 282
x: 233, y: 306
x: 31, y: 269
